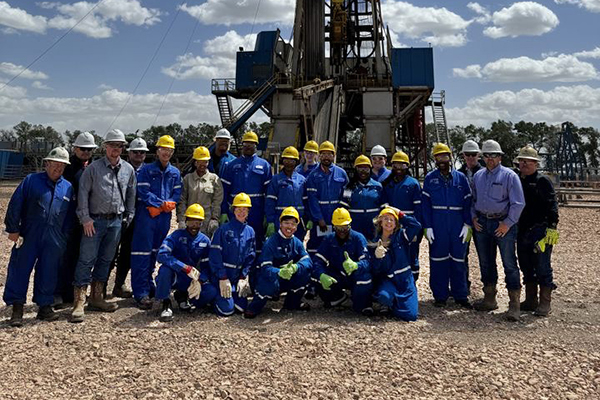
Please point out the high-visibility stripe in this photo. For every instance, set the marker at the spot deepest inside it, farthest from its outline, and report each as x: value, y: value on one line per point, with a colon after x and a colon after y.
x: 326, y: 261
x: 225, y: 181
x: 143, y: 184
x: 270, y: 196
x: 66, y: 198
x: 439, y: 258
x: 455, y: 208
x: 267, y: 182
x: 141, y: 253
x: 417, y: 202
x: 363, y: 282
x: 398, y: 271
x: 228, y: 265
x: 408, y: 212
x: 266, y: 263
x: 311, y: 189
x: 166, y: 247
x: 304, y: 258
x: 204, y: 259
x: 257, y: 195
x: 177, y: 187
x: 299, y: 289
x: 216, y: 246
x: 222, y: 312
x: 426, y: 194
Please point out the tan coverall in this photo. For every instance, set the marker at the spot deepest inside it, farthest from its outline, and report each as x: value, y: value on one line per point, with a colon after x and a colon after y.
x: 206, y: 191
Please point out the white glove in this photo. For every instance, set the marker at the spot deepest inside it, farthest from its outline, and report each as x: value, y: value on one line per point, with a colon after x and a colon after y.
x: 225, y: 288
x: 380, y: 250
x: 193, y: 273
x: 181, y: 225
x: 213, y: 224
x: 429, y: 235
x: 243, y: 288
x: 194, y: 289
x: 464, y: 233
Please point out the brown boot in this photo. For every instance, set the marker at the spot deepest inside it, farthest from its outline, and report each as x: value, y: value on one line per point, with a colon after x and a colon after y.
x: 531, y: 297
x: 545, y: 297
x: 514, y: 302
x: 79, y: 294
x: 16, y: 318
x: 97, y: 302
x: 489, y: 300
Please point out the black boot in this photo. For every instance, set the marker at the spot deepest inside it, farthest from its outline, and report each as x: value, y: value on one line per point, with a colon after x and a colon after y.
x: 46, y: 313
x: 16, y: 319
x: 166, y: 313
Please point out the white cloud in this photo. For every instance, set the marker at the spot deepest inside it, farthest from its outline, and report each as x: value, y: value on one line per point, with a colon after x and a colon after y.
x: 19, y: 19
x: 437, y: 26
x: 104, y: 86
x: 522, y: 19
x: 588, y: 54
x: 12, y: 92
x: 11, y: 70
x: 40, y: 85
x: 590, y: 5
x: 471, y: 71
x: 234, y: 12
x: 484, y: 15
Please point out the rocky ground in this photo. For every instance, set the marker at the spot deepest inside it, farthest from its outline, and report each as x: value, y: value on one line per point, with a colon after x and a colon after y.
x: 323, y: 354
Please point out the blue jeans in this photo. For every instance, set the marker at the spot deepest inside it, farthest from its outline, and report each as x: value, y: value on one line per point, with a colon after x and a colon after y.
x: 97, y: 252
x: 486, y: 243
x: 536, y: 267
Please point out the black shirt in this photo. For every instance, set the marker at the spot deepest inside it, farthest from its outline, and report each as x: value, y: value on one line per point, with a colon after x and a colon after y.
x: 541, y: 207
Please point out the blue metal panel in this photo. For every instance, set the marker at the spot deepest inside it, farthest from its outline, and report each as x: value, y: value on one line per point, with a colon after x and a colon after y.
x: 253, y: 68
x: 412, y: 67
x: 4, y: 157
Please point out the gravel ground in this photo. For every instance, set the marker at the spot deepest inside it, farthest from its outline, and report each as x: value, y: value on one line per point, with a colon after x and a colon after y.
x: 323, y: 354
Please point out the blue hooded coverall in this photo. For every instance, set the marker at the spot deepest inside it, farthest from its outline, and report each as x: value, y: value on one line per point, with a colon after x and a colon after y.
x: 224, y: 160
x: 394, y: 283
x: 365, y: 202
x: 382, y: 174
x: 329, y: 259
x: 154, y: 186
x: 282, y: 192
x: 178, y: 250
x: 267, y: 283
x: 40, y: 211
x: 232, y: 253
x: 446, y: 209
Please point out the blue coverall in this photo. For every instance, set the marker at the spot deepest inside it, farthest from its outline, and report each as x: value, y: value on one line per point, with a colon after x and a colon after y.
x: 406, y: 196
x: 178, y: 250
x: 365, y: 202
x: 301, y: 171
x: 40, y: 211
x: 250, y: 175
x: 283, y: 192
x: 394, y: 283
x: 329, y: 259
x: 381, y: 175
x: 225, y: 159
x: 278, y: 251
x: 232, y: 253
x: 155, y: 185
x: 446, y: 209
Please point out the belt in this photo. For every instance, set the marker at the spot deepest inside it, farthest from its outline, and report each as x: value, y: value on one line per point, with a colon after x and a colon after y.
x: 492, y: 215
x: 105, y: 216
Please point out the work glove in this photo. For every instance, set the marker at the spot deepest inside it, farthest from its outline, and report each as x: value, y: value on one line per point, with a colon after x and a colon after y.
x: 168, y: 206
x: 154, y: 211
x: 243, y: 287
x: 326, y: 281
x: 349, y: 265
x: 466, y: 233
x: 270, y: 229
x: 224, y: 219
x: 181, y: 225
x: 551, y: 238
x: 225, y: 288
x: 287, y: 271
x: 309, y: 225
x: 192, y: 272
x: 429, y: 235
x: 380, y: 250
x: 213, y: 224
x: 194, y: 289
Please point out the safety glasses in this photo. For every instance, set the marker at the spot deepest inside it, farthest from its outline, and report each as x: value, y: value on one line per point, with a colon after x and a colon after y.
x: 85, y: 149
x: 471, y: 154
x: 491, y: 155
x: 138, y: 152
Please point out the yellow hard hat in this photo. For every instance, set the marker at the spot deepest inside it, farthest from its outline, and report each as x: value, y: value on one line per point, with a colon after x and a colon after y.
x: 250, y: 137
x: 166, y: 141
x: 311, y: 146
x: 341, y: 217
x: 441, y: 148
x: 201, y: 153
x: 195, y: 211
x: 242, y: 200
x: 390, y: 211
x: 362, y: 160
x: 400, y: 156
x: 290, y: 152
x: 327, y: 146
x: 289, y: 212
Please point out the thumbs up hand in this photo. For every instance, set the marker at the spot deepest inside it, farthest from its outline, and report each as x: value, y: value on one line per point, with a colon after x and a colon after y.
x: 349, y: 265
x: 380, y: 250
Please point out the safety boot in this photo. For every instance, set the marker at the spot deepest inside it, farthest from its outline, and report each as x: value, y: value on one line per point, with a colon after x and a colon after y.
x: 16, y: 318
x: 514, y: 302
x: 543, y: 308
x: 122, y: 291
x: 166, y: 312
x: 97, y: 302
x: 489, y: 299
x: 79, y: 294
x: 531, y: 297
x: 46, y: 313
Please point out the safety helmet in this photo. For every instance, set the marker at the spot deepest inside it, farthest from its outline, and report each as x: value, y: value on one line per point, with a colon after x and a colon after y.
x: 470, y: 146
x: 311, y: 146
x: 115, y: 135
x: 166, y: 141
x: 289, y: 212
x: 290, y: 152
x: 250, y: 137
x: 378, y: 151
x: 242, y: 200
x: 389, y: 210
x: 195, y: 211
x: 85, y: 140
x: 362, y: 160
x: 400, y: 156
x: 223, y: 134
x: 528, y: 153
x: 491, y: 146
x: 201, y: 153
x: 441, y: 148
x: 138, y: 144
x: 341, y: 217
x: 327, y: 146
x: 58, y: 154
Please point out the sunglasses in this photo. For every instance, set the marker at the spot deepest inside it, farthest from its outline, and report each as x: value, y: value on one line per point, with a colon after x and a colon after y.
x: 138, y: 152
x: 491, y: 155
x: 471, y: 154
x: 85, y: 149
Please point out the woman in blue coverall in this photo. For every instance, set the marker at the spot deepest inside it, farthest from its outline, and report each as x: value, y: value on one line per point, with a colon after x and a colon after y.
x: 365, y: 198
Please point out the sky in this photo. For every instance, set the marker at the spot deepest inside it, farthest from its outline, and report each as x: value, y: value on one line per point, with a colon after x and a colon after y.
x: 528, y: 60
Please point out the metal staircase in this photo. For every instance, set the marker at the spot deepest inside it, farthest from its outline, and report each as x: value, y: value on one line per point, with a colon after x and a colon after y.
x: 438, y: 100
x: 222, y: 88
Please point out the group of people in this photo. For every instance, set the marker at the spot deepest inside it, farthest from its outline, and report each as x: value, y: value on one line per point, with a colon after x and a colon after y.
x: 242, y: 231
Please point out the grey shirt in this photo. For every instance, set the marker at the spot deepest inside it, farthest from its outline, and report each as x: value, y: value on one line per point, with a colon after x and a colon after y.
x: 102, y: 190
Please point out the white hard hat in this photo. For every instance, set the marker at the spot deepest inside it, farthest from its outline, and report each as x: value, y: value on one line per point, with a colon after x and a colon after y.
x: 138, y: 144
x: 470, y: 146
x: 378, y: 151
x: 115, y: 136
x: 491, y: 146
x: 58, y: 154
x: 223, y: 134
x: 85, y: 140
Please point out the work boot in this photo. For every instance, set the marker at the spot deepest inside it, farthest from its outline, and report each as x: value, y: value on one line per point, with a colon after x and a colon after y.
x: 144, y: 303
x: 531, y: 297
x: 166, y: 313
x: 97, y: 302
x: 16, y: 318
x: 543, y: 308
x: 183, y: 302
x: 122, y: 291
x: 79, y: 294
x: 489, y: 299
x: 46, y: 313
x: 514, y: 302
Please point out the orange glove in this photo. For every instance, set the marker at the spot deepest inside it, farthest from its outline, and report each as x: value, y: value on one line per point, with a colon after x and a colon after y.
x: 168, y: 206
x: 154, y: 211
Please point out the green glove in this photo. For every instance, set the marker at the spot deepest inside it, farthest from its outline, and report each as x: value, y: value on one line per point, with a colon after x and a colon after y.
x: 270, y: 229
x: 470, y: 235
x: 224, y: 219
x: 349, y: 265
x: 326, y: 281
x: 309, y: 225
x: 551, y: 236
x: 287, y: 271
x: 540, y: 245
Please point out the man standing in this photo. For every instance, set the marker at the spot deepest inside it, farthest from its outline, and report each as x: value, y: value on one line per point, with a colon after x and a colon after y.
x: 106, y: 200
x: 537, y: 233
x: 497, y: 205
x: 219, y: 152
x: 310, y: 155
x: 38, y: 221
x: 379, y: 157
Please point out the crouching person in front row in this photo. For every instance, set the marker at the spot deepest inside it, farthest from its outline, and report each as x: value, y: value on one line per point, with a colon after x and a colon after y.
x: 284, y: 266
x: 184, y: 258
x: 342, y: 262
